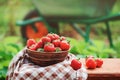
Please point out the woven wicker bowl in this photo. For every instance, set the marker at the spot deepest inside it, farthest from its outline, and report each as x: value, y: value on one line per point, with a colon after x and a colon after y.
x: 46, y: 58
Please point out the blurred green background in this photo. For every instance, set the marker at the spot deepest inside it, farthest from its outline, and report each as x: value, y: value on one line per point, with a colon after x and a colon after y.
x: 11, y: 41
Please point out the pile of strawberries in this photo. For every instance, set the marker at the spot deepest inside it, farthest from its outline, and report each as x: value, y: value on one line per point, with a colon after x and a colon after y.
x: 90, y: 63
x: 49, y: 43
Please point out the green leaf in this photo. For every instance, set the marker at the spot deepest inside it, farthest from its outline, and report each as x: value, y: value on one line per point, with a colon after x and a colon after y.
x: 1, y: 66
x: 11, y: 39
x: 3, y: 72
x: 5, y: 63
x: 14, y: 46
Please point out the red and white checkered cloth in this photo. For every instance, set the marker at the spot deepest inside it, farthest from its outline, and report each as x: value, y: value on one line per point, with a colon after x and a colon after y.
x: 29, y: 71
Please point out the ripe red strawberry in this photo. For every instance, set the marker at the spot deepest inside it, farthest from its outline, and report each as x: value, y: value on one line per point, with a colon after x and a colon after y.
x: 53, y: 36
x: 45, y: 39
x: 62, y: 38
x: 49, y: 47
x: 56, y: 36
x: 87, y: 57
x: 33, y: 47
x: 50, y: 35
x: 56, y: 42
x: 64, y: 45
x: 39, y: 44
x: 90, y: 63
x: 75, y: 64
x: 99, y: 62
x: 30, y: 42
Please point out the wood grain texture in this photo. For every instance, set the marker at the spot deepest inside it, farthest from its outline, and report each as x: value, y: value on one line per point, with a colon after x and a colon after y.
x: 110, y: 70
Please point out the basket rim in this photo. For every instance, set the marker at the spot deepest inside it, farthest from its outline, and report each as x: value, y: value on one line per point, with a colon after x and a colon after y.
x: 46, y: 52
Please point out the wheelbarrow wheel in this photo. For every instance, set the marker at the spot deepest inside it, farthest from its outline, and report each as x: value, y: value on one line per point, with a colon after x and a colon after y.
x: 28, y: 32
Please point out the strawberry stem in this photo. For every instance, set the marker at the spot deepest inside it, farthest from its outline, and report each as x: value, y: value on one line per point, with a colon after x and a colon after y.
x: 76, y: 78
x: 78, y: 59
x: 76, y: 75
x: 68, y: 41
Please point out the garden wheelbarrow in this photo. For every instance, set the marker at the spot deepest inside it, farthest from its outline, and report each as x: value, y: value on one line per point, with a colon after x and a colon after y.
x: 48, y: 13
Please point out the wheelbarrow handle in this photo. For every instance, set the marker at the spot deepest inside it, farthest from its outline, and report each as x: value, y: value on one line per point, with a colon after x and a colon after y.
x: 29, y: 21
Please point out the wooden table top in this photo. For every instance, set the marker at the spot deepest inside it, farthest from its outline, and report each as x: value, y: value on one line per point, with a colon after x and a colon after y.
x: 110, y: 68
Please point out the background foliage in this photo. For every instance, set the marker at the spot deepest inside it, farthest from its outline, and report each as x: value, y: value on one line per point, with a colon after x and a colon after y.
x: 11, y: 41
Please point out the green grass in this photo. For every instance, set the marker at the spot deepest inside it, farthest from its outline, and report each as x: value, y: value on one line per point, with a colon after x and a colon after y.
x: 10, y: 45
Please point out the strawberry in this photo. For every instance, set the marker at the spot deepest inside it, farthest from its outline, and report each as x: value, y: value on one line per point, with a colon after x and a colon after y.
x: 30, y: 42
x: 33, y: 47
x: 53, y: 36
x: 39, y: 44
x: 99, y: 62
x: 75, y: 64
x: 62, y: 38
x: 56, y: 42
x: 56, y: 36
x: 45, y: 39
x: 90, y: 63
x: 87, y: 57
x: 64, y: 45
x: 49, y: 47
x: 50, y: 35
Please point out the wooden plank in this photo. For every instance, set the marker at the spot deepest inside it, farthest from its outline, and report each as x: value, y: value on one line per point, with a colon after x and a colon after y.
x: 110, y: 70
